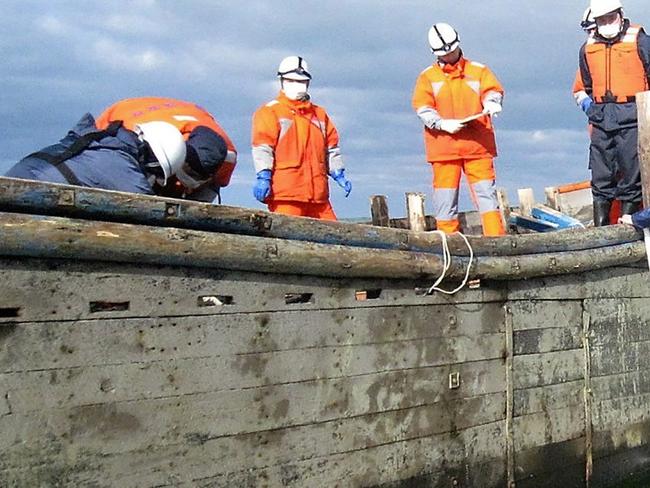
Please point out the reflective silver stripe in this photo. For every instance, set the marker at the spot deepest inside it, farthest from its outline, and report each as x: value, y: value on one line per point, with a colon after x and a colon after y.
x: 474, y: 85
x: 185, y: 118
x: 445, y: 203
x: 334, y: 159
x: 436, y: 86
x: 493, y: 96
x: 476, y: 63
x: 263, y: 157
x: 429, y: 116
x: 285, y: 125
x: 486, y: 195
x: 629, y: 38
x: 320, y: 124
x: 231, y: 157
x: 579, y: 96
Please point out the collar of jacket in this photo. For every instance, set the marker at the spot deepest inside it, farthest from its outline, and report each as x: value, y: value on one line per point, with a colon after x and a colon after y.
x: 453, y: 70
x: 297, y: 105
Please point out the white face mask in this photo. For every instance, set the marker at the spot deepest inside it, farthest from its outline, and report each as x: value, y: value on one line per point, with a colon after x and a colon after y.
x: 610, y: 31
x: 295, y: 90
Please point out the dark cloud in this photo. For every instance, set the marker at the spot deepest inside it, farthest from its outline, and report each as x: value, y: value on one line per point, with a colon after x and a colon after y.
x: 61, y: 59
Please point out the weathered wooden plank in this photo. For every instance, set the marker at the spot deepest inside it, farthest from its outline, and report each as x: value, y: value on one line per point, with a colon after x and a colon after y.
x: 64, y: 290
x: 535, y: 341
x: 315, y: 454
x: 379, y: 211
x: 621, y: 385
x: 633, y: 409
x: 90, y: 240
x: 551, y: 368
x: 543, y: 314
x: 552, y: 465
x: 545, y: 398
x: 258, y: 369
x: 95, y: 204
x: 618, y: 320
x: 415, y: 211
x: 624, y: 357
x: 615, y: 282
x: 549, y: 427
x: 643, y: 110
x: 153, y: 339
x: 63, y: 238
x: 118, y: 428
x: 195, y: 381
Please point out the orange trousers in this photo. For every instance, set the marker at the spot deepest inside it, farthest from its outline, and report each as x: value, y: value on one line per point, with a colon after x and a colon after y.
x: 321, y: 211
x: 481, y: 178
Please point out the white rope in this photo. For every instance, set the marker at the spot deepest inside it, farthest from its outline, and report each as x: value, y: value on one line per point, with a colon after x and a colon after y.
x: 446, y: 264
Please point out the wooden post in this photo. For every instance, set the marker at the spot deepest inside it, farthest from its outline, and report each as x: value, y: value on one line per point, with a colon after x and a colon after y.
x: 551, y: 197
x: 379, y: 211
x: 526, y: 201
x: 504, y: 208
x: 643, y: 109
x: 415, y: 211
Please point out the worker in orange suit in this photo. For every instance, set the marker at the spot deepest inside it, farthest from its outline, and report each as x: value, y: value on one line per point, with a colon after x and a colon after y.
x: 211, y: 155
x: 296, y: 148
x: 446, y: 94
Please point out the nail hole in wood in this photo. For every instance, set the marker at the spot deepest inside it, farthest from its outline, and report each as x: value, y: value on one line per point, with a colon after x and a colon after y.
x: 215, y: 300
x: 363, y: 295
x: 294, y: 298
x: 108, y: 306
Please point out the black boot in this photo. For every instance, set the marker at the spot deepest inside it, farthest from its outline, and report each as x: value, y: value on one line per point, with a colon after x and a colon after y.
x: 601, y: 212
x: 630, y: 207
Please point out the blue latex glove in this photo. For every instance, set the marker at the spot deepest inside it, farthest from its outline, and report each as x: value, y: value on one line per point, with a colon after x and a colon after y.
x: 339, y: 177
x: 586, y: 103
x: 262, y: 186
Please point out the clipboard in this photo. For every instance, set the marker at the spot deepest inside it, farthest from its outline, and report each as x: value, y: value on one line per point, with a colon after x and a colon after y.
x: 472, y: 117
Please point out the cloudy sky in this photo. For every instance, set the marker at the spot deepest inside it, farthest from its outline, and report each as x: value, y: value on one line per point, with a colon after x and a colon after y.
x: 62, y: 58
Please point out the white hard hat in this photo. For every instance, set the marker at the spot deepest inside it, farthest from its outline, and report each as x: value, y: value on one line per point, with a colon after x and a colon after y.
x: 443, y: 39
x: 166, y: 143
x: 603, y: 7
x: 294, y: 68
x: 588, y: 22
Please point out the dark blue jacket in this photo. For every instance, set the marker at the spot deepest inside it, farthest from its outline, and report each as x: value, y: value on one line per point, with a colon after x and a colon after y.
x: 110, y: 162
x: 641, y: 219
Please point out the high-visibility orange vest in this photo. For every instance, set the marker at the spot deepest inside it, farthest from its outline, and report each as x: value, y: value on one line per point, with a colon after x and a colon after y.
x: 296, y: 137
x: 186, y: 116
x: 455, y: 92
x: 616, y: 69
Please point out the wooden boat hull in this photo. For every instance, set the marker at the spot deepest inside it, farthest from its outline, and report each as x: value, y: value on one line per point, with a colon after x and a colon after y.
x: 149, y: 348
x: 117, y: 374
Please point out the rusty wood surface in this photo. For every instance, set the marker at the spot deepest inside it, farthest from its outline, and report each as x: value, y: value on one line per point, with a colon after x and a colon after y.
x: 93, y: 204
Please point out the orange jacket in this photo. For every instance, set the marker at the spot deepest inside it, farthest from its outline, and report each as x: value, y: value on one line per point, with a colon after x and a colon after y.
x: 298, y: 142
x: 184, y: 115
x: 455, y: 92
x: 616, y: 67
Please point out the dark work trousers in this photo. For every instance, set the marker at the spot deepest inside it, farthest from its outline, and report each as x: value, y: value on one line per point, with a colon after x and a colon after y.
x: 614, y: 163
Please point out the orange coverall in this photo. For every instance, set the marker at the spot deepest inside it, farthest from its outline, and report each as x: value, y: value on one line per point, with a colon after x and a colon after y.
x: 298, y: 142
x: 446, y: 91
